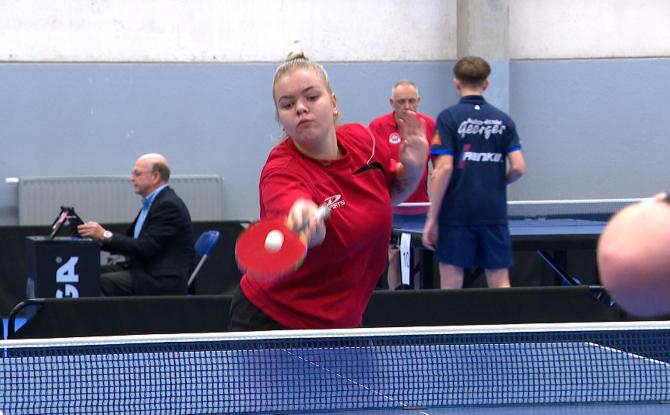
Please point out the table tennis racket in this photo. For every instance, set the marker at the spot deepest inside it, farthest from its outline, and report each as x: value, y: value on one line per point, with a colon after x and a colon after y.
x: 270, y: 249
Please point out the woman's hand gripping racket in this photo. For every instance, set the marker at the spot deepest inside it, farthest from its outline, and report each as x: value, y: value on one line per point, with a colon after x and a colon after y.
x: 270, y: 248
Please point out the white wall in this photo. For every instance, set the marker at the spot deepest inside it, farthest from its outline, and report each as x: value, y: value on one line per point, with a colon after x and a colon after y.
x: 226, y: 30
x: 342, y: 31
x: 566, y: 29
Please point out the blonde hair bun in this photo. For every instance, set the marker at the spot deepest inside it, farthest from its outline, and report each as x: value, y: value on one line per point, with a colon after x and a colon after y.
x: 296, y: 55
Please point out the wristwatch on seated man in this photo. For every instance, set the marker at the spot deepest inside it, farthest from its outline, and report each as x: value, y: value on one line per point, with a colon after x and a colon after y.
x: 107, y: 236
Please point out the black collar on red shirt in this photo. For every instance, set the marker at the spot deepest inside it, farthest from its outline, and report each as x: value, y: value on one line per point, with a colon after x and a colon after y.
x: 371, y: 166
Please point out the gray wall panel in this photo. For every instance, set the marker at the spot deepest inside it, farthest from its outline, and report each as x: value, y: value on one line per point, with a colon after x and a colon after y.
x: 592, y: 128
x: 95, y: 119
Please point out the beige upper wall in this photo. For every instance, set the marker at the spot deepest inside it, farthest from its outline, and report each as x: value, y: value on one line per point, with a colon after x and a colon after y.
x: 226, y: 30
x: 568, y: 29
x: 342, y: 31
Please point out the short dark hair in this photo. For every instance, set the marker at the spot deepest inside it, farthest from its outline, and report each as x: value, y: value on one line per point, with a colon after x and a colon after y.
x: 163, y: 170
x: 472, y: 70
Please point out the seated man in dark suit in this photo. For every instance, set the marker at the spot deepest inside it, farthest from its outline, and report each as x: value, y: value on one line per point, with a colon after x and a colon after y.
x: 159, y: 244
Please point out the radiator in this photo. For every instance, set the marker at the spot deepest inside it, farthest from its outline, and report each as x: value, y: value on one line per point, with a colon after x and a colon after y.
x: 111, y: 199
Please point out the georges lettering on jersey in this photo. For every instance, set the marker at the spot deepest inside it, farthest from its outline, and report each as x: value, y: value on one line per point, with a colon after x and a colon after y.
x: 487, y: 128
x: 394, y: 138
x: 334, y: 202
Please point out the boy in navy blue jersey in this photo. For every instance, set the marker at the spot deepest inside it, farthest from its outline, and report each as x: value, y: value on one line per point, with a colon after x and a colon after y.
x: 467, y: 221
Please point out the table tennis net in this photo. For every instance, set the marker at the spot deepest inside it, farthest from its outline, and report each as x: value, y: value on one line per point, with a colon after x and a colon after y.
x: 309, y: 371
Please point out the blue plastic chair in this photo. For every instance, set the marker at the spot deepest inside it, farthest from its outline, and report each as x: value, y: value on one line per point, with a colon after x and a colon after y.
x: 203, y: 247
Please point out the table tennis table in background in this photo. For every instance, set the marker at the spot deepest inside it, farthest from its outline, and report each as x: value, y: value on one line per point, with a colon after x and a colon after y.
x: 551, y: 228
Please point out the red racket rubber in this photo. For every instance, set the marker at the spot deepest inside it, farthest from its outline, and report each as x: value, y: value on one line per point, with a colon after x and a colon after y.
x: 253, y: 257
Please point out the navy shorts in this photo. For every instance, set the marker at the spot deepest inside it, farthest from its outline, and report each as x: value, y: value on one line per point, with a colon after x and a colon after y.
x: 489, y: 246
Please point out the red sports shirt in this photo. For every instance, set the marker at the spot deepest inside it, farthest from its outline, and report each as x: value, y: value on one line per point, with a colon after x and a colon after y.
x: 333, y: 286
x: 386, y: 131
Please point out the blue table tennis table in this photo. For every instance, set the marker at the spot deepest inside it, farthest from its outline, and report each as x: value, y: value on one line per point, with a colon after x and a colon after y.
x: 541, y: 235
x: 585, y: 409
x: 580, y: 358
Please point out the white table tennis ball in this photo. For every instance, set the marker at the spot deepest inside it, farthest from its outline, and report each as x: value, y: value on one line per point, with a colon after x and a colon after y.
x: 274, y: 241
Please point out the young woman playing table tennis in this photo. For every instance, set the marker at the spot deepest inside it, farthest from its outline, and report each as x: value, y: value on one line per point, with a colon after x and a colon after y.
x: 342, y: 167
